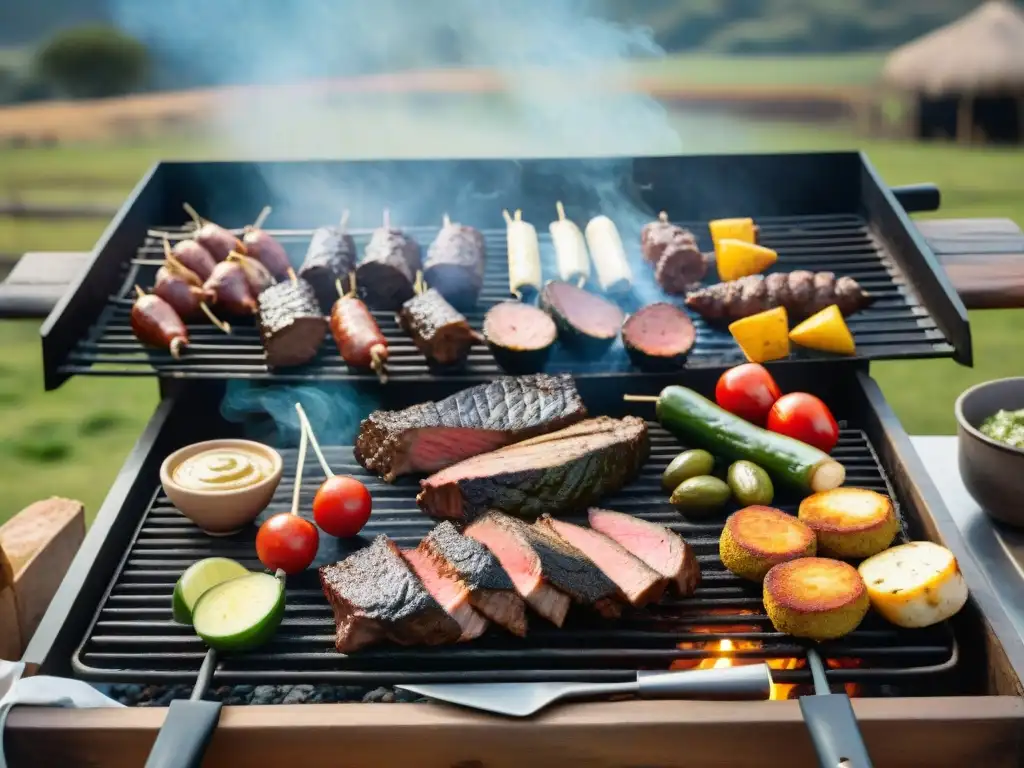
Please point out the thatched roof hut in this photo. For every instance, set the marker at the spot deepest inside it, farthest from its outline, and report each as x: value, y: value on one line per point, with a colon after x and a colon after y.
x: 974, y: 63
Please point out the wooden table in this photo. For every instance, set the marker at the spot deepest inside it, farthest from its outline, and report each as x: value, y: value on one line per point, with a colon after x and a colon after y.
x: 983, y: 257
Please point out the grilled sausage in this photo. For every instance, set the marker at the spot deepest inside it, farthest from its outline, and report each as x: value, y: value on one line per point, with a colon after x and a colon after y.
x: 196, y: 258
x: 570, y: 249
x: 256, y: 275
x: 265, y: 249
x: 218, y: 241
x: 231, y: 287
x: 154, y: 322
x: 523, y: 255
x: 388, y: 269
x: 609, y: 255
x: 437, y: 329
x: 455, y: 264
x: 359, y: 338
x: 291, y: 324
x: 330, y: 258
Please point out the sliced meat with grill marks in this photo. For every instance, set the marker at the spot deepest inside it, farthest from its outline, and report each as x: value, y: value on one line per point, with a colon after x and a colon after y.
x: 291, y: 324
x: 638, y: 582
x: 431, y: 436
x: 449, y: 591
x: 662, y: 549
x: 491, y: 590
x: 547, y: 572
x: 556, y: 473
x: 376, y: 596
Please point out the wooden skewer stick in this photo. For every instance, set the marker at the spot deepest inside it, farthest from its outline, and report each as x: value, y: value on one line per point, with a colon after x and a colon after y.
x: 194, y: 280
x: 519, y: 215
x: 262, y: 217
x: 387, y: 219
x: 307, y: 429
x: 139, y: 292
x: 508, y: 219
x: 640, y: 398
x: 663, y: 217
x: 199, y: 220
x: 338, y: 288
x: 343, y: 224
x: 420, y: 285
x: 297, y: 490
x: 445, y: 221
x: 378, y: 364
x: 581, y: 281
x: 561, y: 210
x: 218, y: 323
x: 292, y: 275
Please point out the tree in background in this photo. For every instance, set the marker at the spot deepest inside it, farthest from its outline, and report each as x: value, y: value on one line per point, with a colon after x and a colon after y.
x: 92, y: 61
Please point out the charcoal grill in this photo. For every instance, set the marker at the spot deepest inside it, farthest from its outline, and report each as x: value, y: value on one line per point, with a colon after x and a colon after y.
x: 824, y: 211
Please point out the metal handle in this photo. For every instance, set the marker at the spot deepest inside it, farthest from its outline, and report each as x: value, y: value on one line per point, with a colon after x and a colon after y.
x: 918, y: 198
x: 185, y: 734
x: 834, y: 731
x: 751, y: 682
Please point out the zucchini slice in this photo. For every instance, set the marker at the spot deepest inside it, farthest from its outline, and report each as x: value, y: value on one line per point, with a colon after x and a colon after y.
x: 240, y: 614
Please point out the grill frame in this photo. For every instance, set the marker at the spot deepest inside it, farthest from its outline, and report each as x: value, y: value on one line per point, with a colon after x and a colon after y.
x: 836, y: 184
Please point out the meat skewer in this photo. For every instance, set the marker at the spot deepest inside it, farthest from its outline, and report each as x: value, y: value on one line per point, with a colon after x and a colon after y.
x: 438, y: 330
x: 194, y: 257
x: 360, y: 341
x: 657, y: 235
x: 523, y: 255
x: 257, y: 276
x: 570, y: 249
x: 609, y: 255
x: 678, y: 262
x: 230, y: 285
x: 801, y: 292
x: 218, y: 241
x: 290, y: 322
x: 388, y: 268
x: 330, y: 258
x: 455, y: 263
x: 264, y: 248
x: 183, y: 290
x: 154, y: 322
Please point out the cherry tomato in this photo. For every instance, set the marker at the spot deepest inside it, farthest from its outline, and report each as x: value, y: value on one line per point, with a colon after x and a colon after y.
x: 805, y: 418
x: 748, y: 391
x: 341, y: 506
x: 288, y: 542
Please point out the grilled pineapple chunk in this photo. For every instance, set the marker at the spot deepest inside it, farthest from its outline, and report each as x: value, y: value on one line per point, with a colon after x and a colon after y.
x: 763, y: 337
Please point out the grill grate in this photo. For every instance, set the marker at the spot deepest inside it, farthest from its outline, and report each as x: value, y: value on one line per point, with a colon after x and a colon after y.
x: 133, y: 639
x: 896, y: 325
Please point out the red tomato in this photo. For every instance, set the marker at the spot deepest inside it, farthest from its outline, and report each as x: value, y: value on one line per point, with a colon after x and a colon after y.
x: 748, y: 391
x: 288, y: 542
x: 341, y: 506
x: 805, y: 418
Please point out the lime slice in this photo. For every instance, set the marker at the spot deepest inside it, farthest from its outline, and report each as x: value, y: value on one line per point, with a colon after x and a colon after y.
x: 197, y: 579
x: 240, y: 614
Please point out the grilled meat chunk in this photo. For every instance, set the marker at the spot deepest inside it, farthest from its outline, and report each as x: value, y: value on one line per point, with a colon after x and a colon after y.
x: 437, y: 329
x: 558, y: 472
x: 660, y: 235
x: 449, y: 591
x: 376, y: 596
x: 663, y: 550
x: 491, y: 591
x: 291, y: 324
x: 331, y: 257
x: 386, y: 275
x: 802, y: 293
x: 547, y: 571
x: 680, y: 268
x: 455, y: 264
x: 638, y: 582
x: 431, y: 436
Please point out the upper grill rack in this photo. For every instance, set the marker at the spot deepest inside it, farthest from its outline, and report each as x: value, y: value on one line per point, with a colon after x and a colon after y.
x: 896, y: 325
x: 133, y: 639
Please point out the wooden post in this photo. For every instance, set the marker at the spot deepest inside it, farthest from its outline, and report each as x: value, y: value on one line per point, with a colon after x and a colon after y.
x: 965, y: 119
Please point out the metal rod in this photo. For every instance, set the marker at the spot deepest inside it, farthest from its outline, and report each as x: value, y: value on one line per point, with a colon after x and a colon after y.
x: 818, y: 675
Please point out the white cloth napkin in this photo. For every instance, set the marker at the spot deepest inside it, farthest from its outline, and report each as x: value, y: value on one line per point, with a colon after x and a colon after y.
x: 43, y: 691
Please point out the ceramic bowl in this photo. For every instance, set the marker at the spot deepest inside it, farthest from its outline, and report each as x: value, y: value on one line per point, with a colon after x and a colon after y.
x: 992, y: 472
x: 221, y: 512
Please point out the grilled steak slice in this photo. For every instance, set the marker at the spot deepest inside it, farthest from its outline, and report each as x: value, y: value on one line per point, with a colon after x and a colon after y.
x: 558, y: 472
x: 638, y: 582
x: 291, y: 324
x: 546, y: 571
x: 437, y: 329
x: 432, y: 436
x: 663, y: 550
x: 491, y: 591
x: 455, y: 264
x: 375, y: 595
x: 448, y: 590
x: 331, y: 257
x: 388, y: 270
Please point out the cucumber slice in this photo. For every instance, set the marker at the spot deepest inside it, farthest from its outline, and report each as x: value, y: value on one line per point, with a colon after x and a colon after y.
x: 240, y: 614
x: 197, y: 579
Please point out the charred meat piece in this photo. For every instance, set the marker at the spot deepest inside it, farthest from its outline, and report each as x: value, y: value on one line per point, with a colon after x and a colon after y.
x: 376, y: 596
x: 681, y: 267
x: 455, y: 264
x: 558, y: 472
x: 637, y: 581
x: 802, y: 293
x: 291, y: 325
x: 661, y: 235
x: 230, y: 285
x: 330, y: 258
x: 437, y: 329
x: 449, y: 591
x: 386, y: 275
x: 663, y: 550
x: 547, y: 572
x: 491, y: 590
x: 155, y: 323
x: 431, y: 436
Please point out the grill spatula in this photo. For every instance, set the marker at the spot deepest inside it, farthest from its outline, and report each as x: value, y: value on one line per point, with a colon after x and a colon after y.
x: 751, y: 682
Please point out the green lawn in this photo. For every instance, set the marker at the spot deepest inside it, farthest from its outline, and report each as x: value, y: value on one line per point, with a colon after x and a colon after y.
x: 72, y: 441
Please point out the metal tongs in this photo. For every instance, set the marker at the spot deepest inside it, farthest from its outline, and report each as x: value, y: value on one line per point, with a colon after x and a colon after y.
x: 832, y: 723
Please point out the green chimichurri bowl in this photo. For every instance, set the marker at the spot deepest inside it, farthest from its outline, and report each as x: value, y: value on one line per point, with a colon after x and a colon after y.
x: 990, y: 435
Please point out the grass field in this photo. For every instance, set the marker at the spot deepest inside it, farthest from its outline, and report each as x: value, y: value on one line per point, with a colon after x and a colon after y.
x: 73, y: 441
